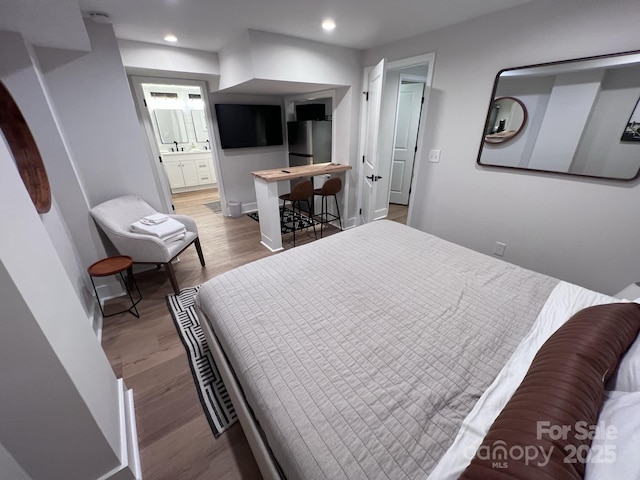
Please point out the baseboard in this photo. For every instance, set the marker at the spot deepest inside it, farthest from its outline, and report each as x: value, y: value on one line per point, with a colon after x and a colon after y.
x: 132, y: 434
x: 129, y: 468
x: 249, y: 207
x: 350, y: 223
x: 194, y: 188
x: 113, y: 289
x: 95, y: 319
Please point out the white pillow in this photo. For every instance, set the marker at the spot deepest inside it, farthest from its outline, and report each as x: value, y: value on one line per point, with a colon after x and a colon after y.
x: 615, y: 447
x: 627, y: 376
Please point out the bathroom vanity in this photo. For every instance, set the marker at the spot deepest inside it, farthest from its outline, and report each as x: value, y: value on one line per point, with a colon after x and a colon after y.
x: 188, y: 171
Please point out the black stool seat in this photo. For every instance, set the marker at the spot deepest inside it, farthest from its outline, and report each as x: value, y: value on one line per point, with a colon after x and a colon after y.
x: 330, y: 189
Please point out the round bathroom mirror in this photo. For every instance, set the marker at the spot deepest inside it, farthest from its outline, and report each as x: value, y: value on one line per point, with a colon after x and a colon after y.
x: 507, y: 118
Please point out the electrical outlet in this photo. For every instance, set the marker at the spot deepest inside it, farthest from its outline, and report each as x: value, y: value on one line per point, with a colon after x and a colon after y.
x: 499, y: 249
x: 434, y: 156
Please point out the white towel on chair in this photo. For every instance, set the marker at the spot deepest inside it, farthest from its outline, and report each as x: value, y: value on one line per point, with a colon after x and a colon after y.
x: 174, y: 238
x: 154, y: 219
x: 162, y: 230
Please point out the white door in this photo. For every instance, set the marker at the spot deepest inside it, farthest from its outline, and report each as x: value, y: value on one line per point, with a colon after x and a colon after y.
x: 406, y: 138
x: 373, y: 207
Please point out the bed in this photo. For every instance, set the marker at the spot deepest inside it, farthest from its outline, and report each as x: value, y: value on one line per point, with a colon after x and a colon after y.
x: 379, y: 352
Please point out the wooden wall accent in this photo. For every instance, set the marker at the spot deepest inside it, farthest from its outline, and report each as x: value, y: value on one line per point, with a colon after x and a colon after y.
x: 25, y: 151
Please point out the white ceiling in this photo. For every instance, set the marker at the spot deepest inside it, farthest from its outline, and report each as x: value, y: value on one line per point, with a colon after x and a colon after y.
x: 47, y: 23
x: 211, y: 24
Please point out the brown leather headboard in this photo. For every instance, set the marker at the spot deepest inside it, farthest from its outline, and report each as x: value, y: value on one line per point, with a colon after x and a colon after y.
x: 543, y: 431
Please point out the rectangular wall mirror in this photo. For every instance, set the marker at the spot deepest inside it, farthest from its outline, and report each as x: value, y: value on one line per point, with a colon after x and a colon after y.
x: 577, y: 117
x: 171, y: 126
x: 200, y: 125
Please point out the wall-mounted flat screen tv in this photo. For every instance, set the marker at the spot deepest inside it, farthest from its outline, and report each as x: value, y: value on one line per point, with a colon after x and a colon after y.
x: 242, y: 126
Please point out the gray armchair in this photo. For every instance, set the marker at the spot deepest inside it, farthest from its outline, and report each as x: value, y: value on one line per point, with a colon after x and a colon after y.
x: 115, y: 216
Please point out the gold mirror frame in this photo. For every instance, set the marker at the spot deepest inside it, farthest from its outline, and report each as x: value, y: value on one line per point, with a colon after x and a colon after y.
x: 25, y: 151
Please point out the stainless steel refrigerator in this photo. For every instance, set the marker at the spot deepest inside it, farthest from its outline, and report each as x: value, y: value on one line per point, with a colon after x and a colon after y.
x: 309, y: 142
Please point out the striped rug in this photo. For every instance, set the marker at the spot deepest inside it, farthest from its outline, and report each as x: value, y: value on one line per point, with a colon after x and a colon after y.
x: 212, y: 392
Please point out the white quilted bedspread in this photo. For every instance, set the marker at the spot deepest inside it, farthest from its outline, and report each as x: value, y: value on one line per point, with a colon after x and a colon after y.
x: 362, y: 353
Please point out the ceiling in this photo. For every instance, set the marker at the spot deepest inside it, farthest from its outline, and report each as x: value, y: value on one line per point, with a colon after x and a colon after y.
x: 46, y: 23
x: 211, y: 24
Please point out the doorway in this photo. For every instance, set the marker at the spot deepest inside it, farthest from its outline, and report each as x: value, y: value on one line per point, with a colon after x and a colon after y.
x: 405, y: 143
x: 391, y: 119
x: 177, y: 121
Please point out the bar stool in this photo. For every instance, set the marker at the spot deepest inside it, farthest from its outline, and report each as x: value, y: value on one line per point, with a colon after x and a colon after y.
x: 330, y: 188
x: 112, y: 266
x: 300, y: 192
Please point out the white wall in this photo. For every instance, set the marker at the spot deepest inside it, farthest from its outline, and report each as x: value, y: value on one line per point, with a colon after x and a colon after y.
x: 236, y: 65
x: 140, y: 58
x: 60, y: 409
x: 63, y: 242
x: 280, y: 57
x: 96, y: 109
x: 558, y: 225
x: 21, y: 74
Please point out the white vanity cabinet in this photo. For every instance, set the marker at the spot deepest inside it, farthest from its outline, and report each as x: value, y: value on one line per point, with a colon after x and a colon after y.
x: 204, y: 171
x: 189, y: 171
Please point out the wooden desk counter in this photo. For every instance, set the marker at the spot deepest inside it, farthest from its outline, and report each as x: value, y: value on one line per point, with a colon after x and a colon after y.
x: 266, y: 185
x: 289, y: 173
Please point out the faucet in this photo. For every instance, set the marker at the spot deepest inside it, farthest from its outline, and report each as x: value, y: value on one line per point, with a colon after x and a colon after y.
x: 177, y: 150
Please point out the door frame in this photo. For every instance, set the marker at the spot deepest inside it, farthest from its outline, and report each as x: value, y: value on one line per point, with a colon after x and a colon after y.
x: 136, y: 82
x: 427, y: 59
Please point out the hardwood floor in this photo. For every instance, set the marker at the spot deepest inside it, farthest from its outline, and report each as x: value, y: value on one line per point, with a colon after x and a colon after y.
x: 176, y: 442
x: 398, y: 213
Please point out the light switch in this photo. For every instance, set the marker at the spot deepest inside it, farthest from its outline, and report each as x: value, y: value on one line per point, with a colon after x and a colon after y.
x: 434, y: 156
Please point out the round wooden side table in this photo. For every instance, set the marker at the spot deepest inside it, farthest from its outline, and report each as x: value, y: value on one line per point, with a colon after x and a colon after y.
x: 113, y: 266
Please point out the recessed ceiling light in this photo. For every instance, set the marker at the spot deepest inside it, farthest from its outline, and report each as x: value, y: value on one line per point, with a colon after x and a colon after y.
x: 328, y: 24
x: 171, y: 38
x: 100, y: 17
